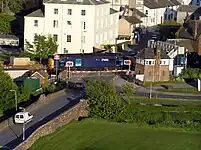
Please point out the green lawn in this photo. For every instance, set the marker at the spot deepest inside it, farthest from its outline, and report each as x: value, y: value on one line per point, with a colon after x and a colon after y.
x: 189, y: 103
x: 147, y: 84
x: 101, y: 135
x: 181, y: 90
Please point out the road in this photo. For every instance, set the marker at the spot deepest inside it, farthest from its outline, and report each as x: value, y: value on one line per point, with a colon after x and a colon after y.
x: 12, y: 136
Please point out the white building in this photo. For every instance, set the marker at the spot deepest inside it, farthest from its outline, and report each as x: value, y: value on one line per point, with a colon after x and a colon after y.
x: 76, y: 25
x: 155, y: 10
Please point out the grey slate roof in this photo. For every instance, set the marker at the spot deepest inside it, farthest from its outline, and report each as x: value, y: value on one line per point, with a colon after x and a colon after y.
x: 187, y: 8
x: 132, y: 19
x: 152, y: 4
x: 188, y: 28
x: 8, y: 36
x: 141, y: 14
x: 148, y: 53
x: 37, y: 13
x: 112, y: 11
x: 79, y: 2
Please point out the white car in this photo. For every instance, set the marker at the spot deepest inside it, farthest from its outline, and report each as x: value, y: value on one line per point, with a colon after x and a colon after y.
x: 23, y: 117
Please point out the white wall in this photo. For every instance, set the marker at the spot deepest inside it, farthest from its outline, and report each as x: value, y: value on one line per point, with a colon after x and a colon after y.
x: 155, y: 16
x: 30, y: 30
x: 101, y: 27
x: 177, y: 70
x: 15, y: 73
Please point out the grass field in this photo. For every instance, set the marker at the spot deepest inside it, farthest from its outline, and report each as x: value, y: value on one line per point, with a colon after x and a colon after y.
x: 101, y: 135
x: 189, y: 103
x: 181, y: 90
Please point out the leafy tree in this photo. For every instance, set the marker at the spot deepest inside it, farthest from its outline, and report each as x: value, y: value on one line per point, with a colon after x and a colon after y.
x: 104, y: 101
x: 41, y: 47
x: 7, y: 99
x: 128, y: 90
x: 190, y: 73
x: 11, y: 5
x: 15, y: 5
x: 171, y: 22
x: 5, y: 23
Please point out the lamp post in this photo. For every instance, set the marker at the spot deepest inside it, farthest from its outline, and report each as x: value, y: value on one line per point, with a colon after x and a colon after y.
x: 15, y: 98
x: 23, y: 126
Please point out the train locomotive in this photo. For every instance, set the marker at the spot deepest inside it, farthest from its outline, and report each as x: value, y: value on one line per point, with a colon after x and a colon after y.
x: 91, y: 62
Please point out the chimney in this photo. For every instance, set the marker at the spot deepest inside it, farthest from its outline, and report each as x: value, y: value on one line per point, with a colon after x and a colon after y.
x: 195, y: 29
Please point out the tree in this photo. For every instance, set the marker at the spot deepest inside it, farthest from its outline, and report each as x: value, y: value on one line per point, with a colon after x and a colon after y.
x: 128, y: 90
x: 5, y: 23
x: 42, y: 47
x: 7, y: 99
x: 190, y: 73
x: 104, y: 101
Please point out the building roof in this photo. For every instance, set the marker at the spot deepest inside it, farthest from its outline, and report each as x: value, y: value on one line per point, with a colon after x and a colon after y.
x: 152, y: 4
x: 187, y: 43
x: 37, y: 13
x: 149, y: 53
x: 132, y: 19
x: 188, y: 28
x: 113, y: 11
x: 78, y: 2
x: 139, y: 13
x: 8, y: 36
x: 187, y: 8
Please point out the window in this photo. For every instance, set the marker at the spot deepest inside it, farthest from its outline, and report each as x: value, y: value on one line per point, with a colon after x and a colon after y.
x: 83, y: 51
x: 149, y: 62
x: 21, y: 116
x: 163, y: 73
x: 83, y: 24
x: 82, y: 39
x: 68, y: 38
x: 56, y: 11
x: 83, y: 12
x: 69, y: 12
x: 35, y: 36
x: 55, y: 37
x: 35, y: 23
x: 149, y: 73
x: 17, y: 116
x: 146, y: 12
x: 69, y: 23
x: 65, y: 51
x: 55, y: 23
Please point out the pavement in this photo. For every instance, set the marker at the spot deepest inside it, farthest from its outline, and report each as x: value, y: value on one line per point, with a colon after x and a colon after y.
x: 11, y: 136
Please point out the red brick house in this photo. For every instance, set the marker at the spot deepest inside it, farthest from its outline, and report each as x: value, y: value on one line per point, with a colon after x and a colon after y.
x: 152, y: 64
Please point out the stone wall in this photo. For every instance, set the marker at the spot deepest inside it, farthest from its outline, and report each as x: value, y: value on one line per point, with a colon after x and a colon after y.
x: 42, y: 100
x: 79, y: 110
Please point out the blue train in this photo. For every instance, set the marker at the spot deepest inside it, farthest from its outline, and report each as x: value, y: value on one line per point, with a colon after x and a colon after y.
x: 92, y: 62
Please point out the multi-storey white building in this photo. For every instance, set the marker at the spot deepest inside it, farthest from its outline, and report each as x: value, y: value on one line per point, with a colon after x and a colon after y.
x: 76, y: 25
x: 155, y: 9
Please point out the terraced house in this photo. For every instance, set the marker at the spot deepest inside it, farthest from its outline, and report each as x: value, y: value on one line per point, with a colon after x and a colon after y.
x: 155, y: 9
x: 76, y: 25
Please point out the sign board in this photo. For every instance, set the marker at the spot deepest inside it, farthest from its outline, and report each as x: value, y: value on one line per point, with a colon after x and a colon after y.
x: 78, y: 62
x: 127, y: 62
x: 56, y: 57
x: 69, y: 64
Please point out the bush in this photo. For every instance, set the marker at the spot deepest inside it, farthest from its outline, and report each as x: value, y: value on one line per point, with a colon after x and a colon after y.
x: 106, y: 103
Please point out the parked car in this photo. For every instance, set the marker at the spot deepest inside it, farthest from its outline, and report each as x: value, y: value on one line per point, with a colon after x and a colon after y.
x: 23, y: 117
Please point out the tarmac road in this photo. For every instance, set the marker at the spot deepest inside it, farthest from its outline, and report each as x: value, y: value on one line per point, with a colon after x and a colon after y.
x: 11, y: 136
